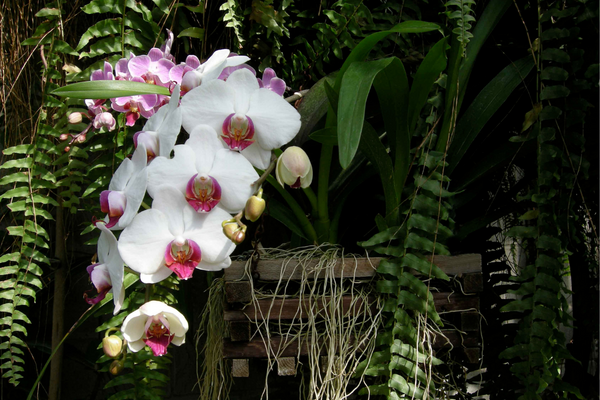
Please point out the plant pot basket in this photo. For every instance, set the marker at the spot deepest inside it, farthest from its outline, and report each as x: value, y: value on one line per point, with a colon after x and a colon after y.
x: 457, y: 301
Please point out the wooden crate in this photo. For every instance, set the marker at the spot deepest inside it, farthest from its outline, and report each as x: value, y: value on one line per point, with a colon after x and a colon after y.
x: 458, y: 300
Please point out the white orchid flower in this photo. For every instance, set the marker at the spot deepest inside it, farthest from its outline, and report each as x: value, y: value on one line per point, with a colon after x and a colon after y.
x: 173, y: 237
x: 161, y: 130
x: 154, y: 324
x: 249, y: 119
x: 205, y: 172
x: 107, y: 274
x: 126, y: 191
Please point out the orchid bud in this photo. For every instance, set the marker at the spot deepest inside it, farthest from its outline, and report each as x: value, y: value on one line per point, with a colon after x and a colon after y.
x: 75, y: 118
x: 81, y: 138
x: 255, y: 207
x: 64, y: 136
x: 233, y: 231
x: 116, y: 367
x: 67, y: 149
x: 105, y: 119
x: 294, y: 168
x: 112, y: 346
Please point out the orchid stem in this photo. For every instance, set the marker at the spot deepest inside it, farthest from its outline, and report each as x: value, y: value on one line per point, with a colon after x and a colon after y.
x: 147, y: 295
x: 310, y: 194
x: 296, y: 96
x: 266, y: 173
x: 307, y: 227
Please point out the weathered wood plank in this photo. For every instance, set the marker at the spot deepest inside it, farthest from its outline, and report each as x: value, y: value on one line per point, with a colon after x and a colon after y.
x: 473, y: 283
x: 274, y: 270
x: 240, y: 368
x: 238, y: 292
x: 289, y: 347
x: 286, y: 366
x: 293, y: 308
x: 239, y: 331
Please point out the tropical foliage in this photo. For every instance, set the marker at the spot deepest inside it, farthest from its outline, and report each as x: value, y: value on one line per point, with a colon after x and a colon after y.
x: 479, y: 136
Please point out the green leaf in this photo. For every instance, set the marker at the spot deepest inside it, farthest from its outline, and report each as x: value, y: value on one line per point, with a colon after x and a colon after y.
x: 554, y: 74
x: 194, y: 32
x: 46, y: 12
x: 429, y: 71
x: 484, y: 106
x: 554, y: 92
x: 362, y: 49
x: 108, y: 89
x: 355, y: 87
x: 284, y: 215
x: 423, y: 266
x: 101, y: 29
x: 326, y: 136
x: 387, y: 235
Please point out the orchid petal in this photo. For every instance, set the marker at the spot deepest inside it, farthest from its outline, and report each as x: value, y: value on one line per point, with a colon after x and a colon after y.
x: 192, y: 61
x: 257, y: 156
x: 114, y: 264
x: 121, y: 176
x: 276, y: 121
x: 136, y: 345
x: 134, y: 326
x: 134, y: 192
x: 142, y: 244
x: 160, y: 275
x: 172, y: 203
x: 205, y: 143
x: 176, y: 171
x: 245, y: 85
x: 178, y: 340
x: 206, y: 230
x: 155, y: 54
x: 206, y: 266
x: 236, y: 175
x: 139, y: 65
x: 208, y: 104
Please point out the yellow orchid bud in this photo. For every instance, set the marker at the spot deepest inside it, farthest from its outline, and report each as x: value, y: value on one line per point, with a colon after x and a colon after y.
x: 294, y: 168
x: 116, y: 367
x: 255, y: 207
x: 112, y: 346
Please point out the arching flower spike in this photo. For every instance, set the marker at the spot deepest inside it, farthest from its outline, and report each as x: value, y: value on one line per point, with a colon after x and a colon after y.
x: 154, y: 324
x: 160, y: 132
x: 249, y: 119
x: 107, y: 274
x: 126, y: 191
x: 206, y: 172
x: 173, y: 237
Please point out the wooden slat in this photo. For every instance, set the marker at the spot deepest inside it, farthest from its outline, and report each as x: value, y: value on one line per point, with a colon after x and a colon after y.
x: 274, y: 270
x: 286, y: 366
x: 290, y: 348
x: 239, y: 331
x: 240, y: 368
x: 473, y: 283
x: 238, y: 292
x: 287, y: 309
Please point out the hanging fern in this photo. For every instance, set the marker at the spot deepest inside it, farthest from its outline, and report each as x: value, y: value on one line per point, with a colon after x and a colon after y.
x: 462, y: 17
x: 540, y: 345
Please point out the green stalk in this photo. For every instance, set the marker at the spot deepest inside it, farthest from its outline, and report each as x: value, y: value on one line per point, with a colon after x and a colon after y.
x: 307, y: 227
x: 310, y: 194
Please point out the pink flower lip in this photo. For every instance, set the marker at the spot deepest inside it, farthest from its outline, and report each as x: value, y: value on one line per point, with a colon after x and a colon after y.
x: 113, y: 203
x: 101, y: 281
x: 150, y: 142
x: 158, y: 335
x: 182, y: 256
x: 203, y: 193
x: 238, y: 131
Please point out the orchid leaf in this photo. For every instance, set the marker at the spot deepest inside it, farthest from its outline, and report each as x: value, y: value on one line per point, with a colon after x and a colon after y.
x: 484, y: 106
x: 108, y: 89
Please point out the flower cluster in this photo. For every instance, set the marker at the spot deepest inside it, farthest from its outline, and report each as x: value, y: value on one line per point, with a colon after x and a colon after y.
x: 233, y: 122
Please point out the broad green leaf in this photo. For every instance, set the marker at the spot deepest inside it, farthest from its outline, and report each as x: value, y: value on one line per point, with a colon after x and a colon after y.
x: 423, y: 266
x: 554, y: 92
x: 389, y: 234
x: 284, y: 215
x: 360, y: 52
x: 101, y: 29
x: 108, y: 89
x: 194, y: 32
x: 354, y: 91
x: 326, y: 136
x: 484, y: 106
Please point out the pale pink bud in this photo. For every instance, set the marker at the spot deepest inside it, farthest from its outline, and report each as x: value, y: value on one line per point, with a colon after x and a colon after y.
x: 106, y: 120
x: 294, y: 168
x: 112, y: 346
x: 64, y: 136
x: 75, y: 118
